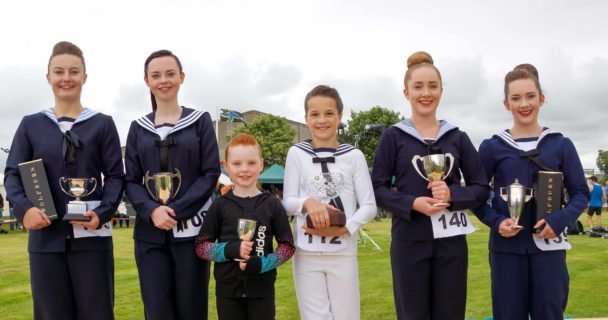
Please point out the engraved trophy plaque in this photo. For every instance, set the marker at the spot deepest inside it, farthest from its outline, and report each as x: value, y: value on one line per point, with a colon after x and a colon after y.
x: 324, y: 188
x: 516, y: 195
x: 77, y: 188
x: 163, y: 185
x: 434, y: 169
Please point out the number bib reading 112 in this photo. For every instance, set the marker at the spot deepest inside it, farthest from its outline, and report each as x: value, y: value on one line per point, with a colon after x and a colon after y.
x: 316, y: 243
x: 451, y: 223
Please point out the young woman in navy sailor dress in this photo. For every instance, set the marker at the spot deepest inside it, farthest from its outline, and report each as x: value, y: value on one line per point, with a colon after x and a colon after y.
x: 529, y: 273
x: 71, y: 263
x: 429, y: 254
x: 172, y: 138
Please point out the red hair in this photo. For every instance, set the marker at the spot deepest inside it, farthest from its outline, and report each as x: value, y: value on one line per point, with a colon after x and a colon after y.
x: 242, y: 139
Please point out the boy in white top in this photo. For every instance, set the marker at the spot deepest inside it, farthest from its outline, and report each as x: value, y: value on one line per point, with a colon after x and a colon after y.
x: 319, y: 171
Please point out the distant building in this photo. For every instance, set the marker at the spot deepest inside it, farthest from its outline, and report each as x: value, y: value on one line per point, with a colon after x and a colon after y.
x: 589, y: 172
x: 225, y: 129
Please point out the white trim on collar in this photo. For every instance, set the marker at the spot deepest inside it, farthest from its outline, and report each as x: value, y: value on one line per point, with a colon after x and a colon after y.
x: 408, y: 127
x: 182, y: 123
x: 307, y: 147
x: 84, y: 115
x: 509, y: 140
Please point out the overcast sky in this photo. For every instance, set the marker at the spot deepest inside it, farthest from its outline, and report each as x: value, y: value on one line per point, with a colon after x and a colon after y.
x: 266, y: 55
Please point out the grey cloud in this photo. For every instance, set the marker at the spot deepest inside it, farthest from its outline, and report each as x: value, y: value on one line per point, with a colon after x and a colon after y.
x: 366, y: 92
x: 575, y: 102
x: 132, y: 102
x: 235, y: 84
x: 464, y: 81
x: 25, y: 91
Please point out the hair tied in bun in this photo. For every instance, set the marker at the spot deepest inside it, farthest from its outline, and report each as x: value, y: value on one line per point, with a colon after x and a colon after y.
x: 418, y: 58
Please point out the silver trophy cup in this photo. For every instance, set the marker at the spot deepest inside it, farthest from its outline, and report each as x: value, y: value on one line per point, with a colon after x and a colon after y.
x: 324, y: 187
x: 77, y: 188
x: 516, y: 195
x: 434, y: 166
x: 246, y: 230
x: 163, y: 185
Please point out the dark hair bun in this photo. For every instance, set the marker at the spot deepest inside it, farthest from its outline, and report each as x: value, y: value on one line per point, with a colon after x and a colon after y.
x: 528, y: 67
x: 418, y: 58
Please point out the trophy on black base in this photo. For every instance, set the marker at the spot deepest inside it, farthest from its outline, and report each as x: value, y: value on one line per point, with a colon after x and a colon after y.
x: 77, y: 188
x: 516, y: 195
x: 163, y: 185
x: 323, y: 188
x: 434, y: 169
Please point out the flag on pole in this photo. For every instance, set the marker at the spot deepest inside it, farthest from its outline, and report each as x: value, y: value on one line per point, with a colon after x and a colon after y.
x: 231, y: 116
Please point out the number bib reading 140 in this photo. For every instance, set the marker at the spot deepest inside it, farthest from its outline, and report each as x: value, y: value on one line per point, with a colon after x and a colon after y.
x: 451, y: 223
x: 316, y: 243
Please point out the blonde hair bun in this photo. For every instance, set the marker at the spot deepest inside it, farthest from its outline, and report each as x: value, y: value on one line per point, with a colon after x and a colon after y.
x: 418, y: 58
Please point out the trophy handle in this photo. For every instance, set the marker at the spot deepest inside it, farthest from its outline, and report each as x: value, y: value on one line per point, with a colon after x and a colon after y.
x: 62, y: 180
x: 415, y: 164
x: 177, y: 175
x: 503, y: 194
x: 147, y: 178
x: 451, y: 157
x: 93, y: 189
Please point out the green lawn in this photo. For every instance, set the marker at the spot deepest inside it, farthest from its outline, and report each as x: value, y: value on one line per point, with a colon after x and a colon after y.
x: 587, y: 262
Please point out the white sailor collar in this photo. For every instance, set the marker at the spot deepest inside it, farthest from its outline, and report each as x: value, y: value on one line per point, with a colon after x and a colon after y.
x: 343, y: 148
x: 408, y: 127
x: 189, y: 116
x: 84, y: 115
x: 507, y: 138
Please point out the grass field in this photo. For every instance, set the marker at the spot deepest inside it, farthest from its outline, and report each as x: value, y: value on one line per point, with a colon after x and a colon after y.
x: 587, y: 263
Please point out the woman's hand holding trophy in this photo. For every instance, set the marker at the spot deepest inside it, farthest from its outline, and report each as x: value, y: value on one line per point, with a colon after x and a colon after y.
x: 434, y: 167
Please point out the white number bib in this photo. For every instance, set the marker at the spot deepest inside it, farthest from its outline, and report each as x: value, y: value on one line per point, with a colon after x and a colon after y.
x: 451, y: 223
x: 309, y: 242
x: 191, y: 227
x: 82, y: 232
x: 558, y: 243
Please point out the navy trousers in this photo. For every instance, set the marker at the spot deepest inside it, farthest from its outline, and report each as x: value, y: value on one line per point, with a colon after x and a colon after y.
x: 73, y: 285
x: 430, y: 278
x: 173, y: 281
x: 529, y: 284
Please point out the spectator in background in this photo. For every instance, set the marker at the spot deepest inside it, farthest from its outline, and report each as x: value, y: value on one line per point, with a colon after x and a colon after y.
x: 595, y: 202
x: 121, y: 214
x: 2, y: 211
x: 1, y: 206
x: 11, y: 215
x: 606, y: 195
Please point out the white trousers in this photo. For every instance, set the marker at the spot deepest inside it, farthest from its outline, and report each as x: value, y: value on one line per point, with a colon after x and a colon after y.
x: 327, y: 287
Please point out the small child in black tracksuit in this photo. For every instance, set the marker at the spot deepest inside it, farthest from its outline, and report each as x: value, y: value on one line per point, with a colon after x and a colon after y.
x: 245, y: 289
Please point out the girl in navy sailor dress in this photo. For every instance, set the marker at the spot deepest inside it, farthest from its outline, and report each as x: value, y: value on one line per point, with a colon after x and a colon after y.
x: 528, y: 265
x: 429, y: 254
x: 179, y: 141
x: 71, y: 263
